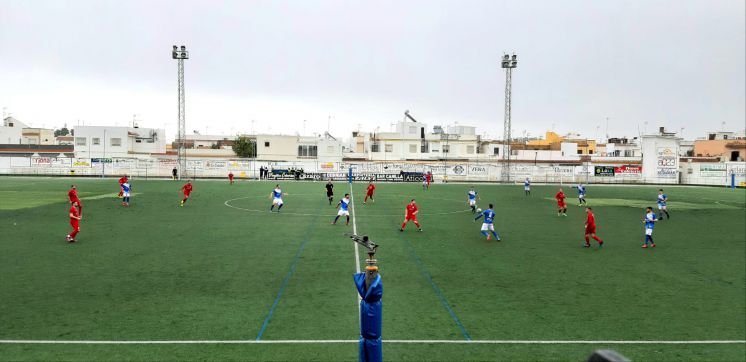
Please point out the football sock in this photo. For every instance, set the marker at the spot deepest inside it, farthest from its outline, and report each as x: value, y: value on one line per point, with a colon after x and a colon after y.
x: 403, y: 225
x: 495, y: 235
x: 587, y: 240
x: 417, y: 225
x: 330, y: 200
x: 597, y: 239
x: 660, y: 215
x: 348, y: 219
x: 667, y: 215
x: 335, y: 219
x: 484, y: 233
x: 72, y: 234
x: 280, y: 207
x: 473, y: 209
x: 272, y: 207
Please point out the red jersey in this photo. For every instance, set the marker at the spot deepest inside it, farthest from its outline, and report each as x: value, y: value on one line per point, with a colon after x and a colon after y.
x: 74, y: 211
x: 411, y: 209
x: 560, y: 197
x: 591, y: 221
x: 122, y: 180
x: 187, y: 189
x: 230, y: 175
x: 371, y: 188
x: 427, y: 177
x: 72, y: 194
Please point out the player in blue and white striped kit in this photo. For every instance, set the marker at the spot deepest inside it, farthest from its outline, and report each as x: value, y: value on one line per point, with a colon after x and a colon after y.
x: 662, y: 200
x: 649, y: 222
x: 344, y: 209
x: 527, y: 187
x: 473, y: 200
x: 487, y: 225
x: 126, y: 187
x: 276, y: 196
x: 581, y: 195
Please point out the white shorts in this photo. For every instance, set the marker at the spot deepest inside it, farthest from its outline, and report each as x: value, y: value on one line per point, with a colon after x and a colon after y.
x: 648, y: 231
x: 343, y: 213
x: 277, y: 201
x: 527, y: 188
x: 472, y: 202
x: 581, y: 196
x: 486, y: 226
x: 125, y: 193
x: 661, y: 207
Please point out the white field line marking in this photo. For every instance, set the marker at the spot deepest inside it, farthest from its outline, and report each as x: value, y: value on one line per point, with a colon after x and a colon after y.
x: 357, y: 252
x: 342, y: 341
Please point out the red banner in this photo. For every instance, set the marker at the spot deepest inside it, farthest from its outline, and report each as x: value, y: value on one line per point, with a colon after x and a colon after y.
x: 628, y: 170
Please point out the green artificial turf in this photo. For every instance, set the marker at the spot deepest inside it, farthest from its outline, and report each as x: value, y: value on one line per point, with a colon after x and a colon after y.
x: 224, y: 268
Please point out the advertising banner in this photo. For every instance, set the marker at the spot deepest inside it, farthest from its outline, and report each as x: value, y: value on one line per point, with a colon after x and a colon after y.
x: 628, y: 170
x: 668, y: 162
x: 604, y: 171
x: 82, y: 162
x: 713, y: 170
x: 61, y: 162
x: 145, y: 163
x: 41, y: 161
x: 327, y: 166
x: 737, y: 168
x: 478, y: 170
x: 215, y: 165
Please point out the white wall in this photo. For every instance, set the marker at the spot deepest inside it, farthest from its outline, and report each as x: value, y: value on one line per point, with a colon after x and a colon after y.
x: 660, y: 159
x: 11, y: 135
x: 127, y: 137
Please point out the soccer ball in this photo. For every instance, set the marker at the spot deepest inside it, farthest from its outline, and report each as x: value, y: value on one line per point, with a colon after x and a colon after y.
x: 479, y: 210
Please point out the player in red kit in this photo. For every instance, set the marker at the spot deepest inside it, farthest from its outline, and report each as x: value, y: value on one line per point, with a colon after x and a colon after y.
x: 230, y: 177
x: 186, y: 189
x: 411, y: 215
x: 122, y: 180
x: 72, y: 194
x: 75, y: 217
x: 561, y: 205
x: 369, y: 193
x: 429, y: 177
x: 590, y: 229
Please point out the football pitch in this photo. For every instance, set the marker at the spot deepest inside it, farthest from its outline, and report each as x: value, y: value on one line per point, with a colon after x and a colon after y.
x: 222, y: 278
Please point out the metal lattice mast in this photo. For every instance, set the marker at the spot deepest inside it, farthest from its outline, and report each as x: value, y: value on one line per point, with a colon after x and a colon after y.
x: 180, y: 55
x: 508, y: 63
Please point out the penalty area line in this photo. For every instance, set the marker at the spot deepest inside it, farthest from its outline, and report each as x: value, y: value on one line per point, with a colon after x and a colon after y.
x: 344, y: 341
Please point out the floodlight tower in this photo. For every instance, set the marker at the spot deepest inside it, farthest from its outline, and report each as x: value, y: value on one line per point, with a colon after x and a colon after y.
x: 509, y: 62
x: 180, y: 53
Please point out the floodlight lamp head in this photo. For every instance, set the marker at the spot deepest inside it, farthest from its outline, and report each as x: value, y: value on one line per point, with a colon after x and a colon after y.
x: 176, y: 48
x: 515, y: 57
x: 183, y: 48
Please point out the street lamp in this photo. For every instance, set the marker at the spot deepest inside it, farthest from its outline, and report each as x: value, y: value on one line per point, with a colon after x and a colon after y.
x: 509, y: 62
x: 180, y: 54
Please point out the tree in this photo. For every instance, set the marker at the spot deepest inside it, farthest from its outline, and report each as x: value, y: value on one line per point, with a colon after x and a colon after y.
x: 61, y: 132
x: 244, y: 147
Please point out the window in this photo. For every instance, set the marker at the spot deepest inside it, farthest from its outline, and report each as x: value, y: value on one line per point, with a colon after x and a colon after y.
x: 711, y: 136
x: 375, y: 147
x: 80, y: 141
x: 590, y: 152
x: 95, y: 141
x: 412, y: 148
x: 496, y: 151
x: 307, y: 151
x: 389, y: 148
x: 470, y: 149
x: 725, y: 136
x: 425, y: 147
x: 629, y: 153
x: 580, y: 152
x: 266, y: 143
x: 446, y: 148
x: 735, y: 155
x: 116, y: 142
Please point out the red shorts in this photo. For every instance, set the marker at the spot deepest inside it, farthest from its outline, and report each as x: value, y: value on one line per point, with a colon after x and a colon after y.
x: 590, y: 229
x: 561, y: 205
x: 369, y: 194
x: 75, y: 224
x: 186, y: 194
x: 410, y: 218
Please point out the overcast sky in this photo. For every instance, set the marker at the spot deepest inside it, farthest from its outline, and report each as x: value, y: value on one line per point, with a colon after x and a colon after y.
x: 675, y: 63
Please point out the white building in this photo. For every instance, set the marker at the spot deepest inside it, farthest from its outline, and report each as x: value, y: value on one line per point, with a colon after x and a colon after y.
x: 12, y: 131
x: 107, y: 142
x: 413, y: 141
x: 298, y: 148
x: 660, y: 163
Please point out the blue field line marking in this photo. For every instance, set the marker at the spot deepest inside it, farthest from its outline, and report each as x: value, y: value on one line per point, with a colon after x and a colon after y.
x: 438, y: 292
x: 309, y: 231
